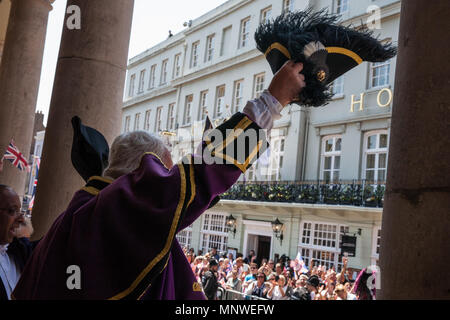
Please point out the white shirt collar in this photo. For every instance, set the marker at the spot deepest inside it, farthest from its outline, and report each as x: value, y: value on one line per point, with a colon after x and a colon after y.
x: 3, y: 248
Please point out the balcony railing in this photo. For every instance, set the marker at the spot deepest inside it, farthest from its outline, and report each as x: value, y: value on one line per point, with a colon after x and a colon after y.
x: 360, y: 193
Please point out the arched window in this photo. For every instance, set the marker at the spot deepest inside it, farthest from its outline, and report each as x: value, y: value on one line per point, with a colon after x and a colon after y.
x: 375, y: 155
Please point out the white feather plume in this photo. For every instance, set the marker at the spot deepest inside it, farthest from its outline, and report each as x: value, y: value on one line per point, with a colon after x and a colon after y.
x: 312, y: 47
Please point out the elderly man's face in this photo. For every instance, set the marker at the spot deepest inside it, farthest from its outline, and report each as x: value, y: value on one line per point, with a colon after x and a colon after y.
x: 10, y: 215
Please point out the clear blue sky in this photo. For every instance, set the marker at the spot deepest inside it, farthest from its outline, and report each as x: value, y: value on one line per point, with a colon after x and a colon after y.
x: 152, y: 21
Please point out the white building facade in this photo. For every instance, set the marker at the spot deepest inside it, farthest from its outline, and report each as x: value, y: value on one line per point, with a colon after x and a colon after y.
x: 324, y: 174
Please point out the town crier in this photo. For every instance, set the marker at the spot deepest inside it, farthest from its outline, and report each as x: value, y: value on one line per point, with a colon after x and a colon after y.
x: 116, y: 239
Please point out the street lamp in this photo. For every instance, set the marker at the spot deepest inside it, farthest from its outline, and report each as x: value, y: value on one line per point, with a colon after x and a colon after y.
x: 277, y: 227
x: 231, y: 224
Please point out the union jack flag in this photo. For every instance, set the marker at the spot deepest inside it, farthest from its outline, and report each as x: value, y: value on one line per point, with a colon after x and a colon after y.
x: 15, y: 157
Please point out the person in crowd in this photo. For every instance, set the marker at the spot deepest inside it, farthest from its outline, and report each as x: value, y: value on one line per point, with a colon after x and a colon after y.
x: 239, y: 263
x: 209, y: 280
x: 230, y: 256
x: 300, y: 293
x: 250, y: 256
x: 15, y: 249
x: 302, y: 279
x: 221, y: 272
x: 342, y: 294
x: 279, y: 290
x: 25, y: 229
x: 327, y: 291
x: 271, y: 265
x: 258, y: 288
x: 312, y: 284
x: 253, y: 271
x: 279, y: 269
x: 227, y: 266
x: 214, y: 254
x: 235, y: 284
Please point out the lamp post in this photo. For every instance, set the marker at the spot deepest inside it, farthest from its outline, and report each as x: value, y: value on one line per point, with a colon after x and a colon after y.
x: 231, y: 224
x: 277, y: 227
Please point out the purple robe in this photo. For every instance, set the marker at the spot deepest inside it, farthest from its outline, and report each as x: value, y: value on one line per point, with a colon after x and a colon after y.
x: 121, y: 233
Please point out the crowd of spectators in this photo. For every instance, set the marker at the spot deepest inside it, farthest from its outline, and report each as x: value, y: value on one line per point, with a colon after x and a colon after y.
x: 283, y: 279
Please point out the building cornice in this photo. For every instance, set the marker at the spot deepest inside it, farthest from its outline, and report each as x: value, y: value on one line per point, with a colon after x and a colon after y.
x: 201, y: 73
x: 288, y: 210
x: 215, y: 17
x: 386, y: 12
x: 148, y: 96
x: 154, y: 51
x: 220, y: 66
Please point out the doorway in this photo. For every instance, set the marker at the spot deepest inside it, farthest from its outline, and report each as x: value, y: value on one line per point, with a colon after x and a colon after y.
x: 261, y: 246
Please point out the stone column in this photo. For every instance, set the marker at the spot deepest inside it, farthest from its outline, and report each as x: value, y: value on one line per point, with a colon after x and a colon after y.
x: 20, y: 73
x: 89, y: 83
x: 415, y: 239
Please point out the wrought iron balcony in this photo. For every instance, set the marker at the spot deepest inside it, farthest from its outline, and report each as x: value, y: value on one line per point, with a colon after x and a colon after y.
x: 361, y: 193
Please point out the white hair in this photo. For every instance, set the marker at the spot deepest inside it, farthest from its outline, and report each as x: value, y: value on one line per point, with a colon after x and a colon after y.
x: 127, y: 151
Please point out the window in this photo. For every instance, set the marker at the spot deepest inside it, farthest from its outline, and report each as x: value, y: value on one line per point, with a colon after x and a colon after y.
x: 340, y: 6
x: 147, y: 120
x: 276, y: 157
x: 194, y: 54
x: 158, y: 119
x: 141, y: 81
x: 237, y: 96
x: 245, y: 33
x: 209, y: 47
x: 127, y: 124
x: 337, y: 86
x: 376, y: 152
x: 177, y: 66
x: 131, y: 88
x: 321, y: 242
x: 164, y: 72
x: 220, y: 101
x: 379, y: 74
x: 250, y: 174
x: 171, y: 117
x: 184, y: 237
x: 226, y: 39
x: 265, y: 14
x: 376, y: 242
x: 287, y: 5
x: 151, y: 82
x: 214, y: 232
x: 203, y: 107
x: 258, y: 85
x: 331, y: 158
x: 187, y: 109
x: 137, y: 117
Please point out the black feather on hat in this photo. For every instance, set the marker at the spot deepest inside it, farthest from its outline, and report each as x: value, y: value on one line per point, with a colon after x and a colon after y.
x: 326, y: 49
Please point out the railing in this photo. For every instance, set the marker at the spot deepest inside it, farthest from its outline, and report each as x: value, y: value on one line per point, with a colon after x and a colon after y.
x: 361, y: 193
x: 228, y: 294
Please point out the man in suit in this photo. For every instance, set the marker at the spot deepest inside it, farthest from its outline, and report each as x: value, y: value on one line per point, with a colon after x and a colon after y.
x: 14, y: 252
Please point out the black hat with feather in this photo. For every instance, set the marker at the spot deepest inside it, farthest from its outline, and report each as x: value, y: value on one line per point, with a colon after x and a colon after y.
x: 90, y: 150
x: 326, y: 49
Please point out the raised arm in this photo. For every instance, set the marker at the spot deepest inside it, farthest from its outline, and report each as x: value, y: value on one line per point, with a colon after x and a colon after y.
x: 230, y: 149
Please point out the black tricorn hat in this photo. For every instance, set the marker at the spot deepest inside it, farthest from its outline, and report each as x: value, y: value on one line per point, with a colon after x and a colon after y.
x: 90, y: 150
x: 326, y: 49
